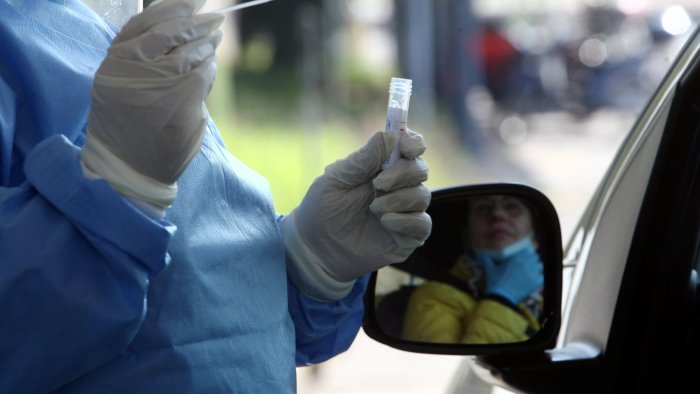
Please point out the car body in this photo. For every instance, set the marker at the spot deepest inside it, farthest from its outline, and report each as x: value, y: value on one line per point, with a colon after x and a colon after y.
x: 629, y: 311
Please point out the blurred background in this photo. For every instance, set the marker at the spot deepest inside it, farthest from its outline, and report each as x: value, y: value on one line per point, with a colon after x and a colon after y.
x: 540, y: 92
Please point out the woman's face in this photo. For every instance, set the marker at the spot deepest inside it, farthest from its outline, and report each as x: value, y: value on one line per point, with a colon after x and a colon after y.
x: 496, y: 221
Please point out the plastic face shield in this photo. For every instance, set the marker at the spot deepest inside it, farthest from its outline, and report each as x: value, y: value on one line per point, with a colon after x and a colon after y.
x: 115, y: 12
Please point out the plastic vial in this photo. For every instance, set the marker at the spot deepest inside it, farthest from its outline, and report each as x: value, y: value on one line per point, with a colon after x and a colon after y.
x: 397, y: 113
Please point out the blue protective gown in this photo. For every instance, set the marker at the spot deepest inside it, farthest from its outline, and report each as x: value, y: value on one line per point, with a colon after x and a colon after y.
x: 97, y: 297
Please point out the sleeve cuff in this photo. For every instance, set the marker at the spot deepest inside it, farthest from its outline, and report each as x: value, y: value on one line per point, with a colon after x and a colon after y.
x: 151, y: 210
x: 304, y: 268
x: 53, y: 168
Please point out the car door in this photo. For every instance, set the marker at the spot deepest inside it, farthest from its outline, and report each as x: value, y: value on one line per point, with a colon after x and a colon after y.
x: 630, y: 314
x: 653, y: 340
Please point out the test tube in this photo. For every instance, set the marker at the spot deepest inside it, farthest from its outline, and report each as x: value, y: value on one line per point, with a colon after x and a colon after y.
x: 397, y: 113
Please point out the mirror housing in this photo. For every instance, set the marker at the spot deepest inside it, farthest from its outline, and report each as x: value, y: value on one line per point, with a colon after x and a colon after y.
x: 448, y: 211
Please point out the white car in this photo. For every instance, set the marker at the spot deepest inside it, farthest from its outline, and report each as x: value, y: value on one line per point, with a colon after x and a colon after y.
x: 629, y: 318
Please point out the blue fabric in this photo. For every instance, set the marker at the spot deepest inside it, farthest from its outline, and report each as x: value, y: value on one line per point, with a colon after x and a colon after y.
x: 97, y: 297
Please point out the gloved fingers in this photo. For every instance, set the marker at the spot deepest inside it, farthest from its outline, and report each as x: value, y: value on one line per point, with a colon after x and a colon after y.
x: 363, y: 164
x: 527, y: 259
x: 415, y: 225
x: 165, y: 72
x: 165, y: 37
x: 208, y: 75
x: 537, y: 282
x: 189, y: 56
x: 196, y: 5
x: 411, y: 144
x: 412, y: 199
x: 406, y: 243
x: 487, y: 263
x: 403, y: 173
x: 157, y: 12
x: 535, y: 271
x: 169, y: 172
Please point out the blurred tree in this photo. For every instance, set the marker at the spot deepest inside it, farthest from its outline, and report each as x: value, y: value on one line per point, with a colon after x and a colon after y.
x: 438, y: 38
x: 415, y: 24
x: 281, y: 26
x: 458, y: 68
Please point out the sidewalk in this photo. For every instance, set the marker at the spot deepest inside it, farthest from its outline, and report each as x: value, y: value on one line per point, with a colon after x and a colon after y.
x: 370, y: 367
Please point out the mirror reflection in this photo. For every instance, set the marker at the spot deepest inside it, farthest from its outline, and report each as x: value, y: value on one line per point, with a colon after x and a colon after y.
x: 478, y: 279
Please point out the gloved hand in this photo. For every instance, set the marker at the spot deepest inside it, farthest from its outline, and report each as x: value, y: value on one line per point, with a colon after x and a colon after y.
x: 147, y: 118
x: 515, y: 277
x: 356, y: 218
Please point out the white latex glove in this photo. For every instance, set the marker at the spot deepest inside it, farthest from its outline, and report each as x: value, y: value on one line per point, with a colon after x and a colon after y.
x: 356, y: 218
x: 148, y: 118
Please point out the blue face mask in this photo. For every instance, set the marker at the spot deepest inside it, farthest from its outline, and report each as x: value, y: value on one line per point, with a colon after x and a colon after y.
x: 510, y: 250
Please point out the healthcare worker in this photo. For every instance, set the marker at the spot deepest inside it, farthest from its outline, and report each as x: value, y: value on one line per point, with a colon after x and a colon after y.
x: 136, y: 254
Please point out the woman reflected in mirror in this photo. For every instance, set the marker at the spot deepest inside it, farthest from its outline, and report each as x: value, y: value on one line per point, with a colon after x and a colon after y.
x: 496, y: 294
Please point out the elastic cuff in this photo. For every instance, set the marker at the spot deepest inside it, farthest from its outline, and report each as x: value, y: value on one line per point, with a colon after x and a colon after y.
x: 53, y: 168
x: 151, y: 210
x: 99, y: 160
x: 305, y: 270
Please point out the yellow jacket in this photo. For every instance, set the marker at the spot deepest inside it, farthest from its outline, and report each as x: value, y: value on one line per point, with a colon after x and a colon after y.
x: 439, y: 312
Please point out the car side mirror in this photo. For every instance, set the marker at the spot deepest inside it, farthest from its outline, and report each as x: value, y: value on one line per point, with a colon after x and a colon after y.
x: 486, y: 281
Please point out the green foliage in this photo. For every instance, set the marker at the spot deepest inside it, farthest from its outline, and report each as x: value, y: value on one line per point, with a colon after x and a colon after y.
x: 259, y: 53
x: 288, y: 156
x: 262, y: 125
x: 259, y: 116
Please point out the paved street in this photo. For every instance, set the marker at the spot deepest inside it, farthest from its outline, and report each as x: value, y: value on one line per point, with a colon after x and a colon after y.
x: 565, y: 159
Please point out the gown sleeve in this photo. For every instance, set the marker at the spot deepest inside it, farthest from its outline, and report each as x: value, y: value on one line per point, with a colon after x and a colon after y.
x: 325, y: 329
x: 76, y: 259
